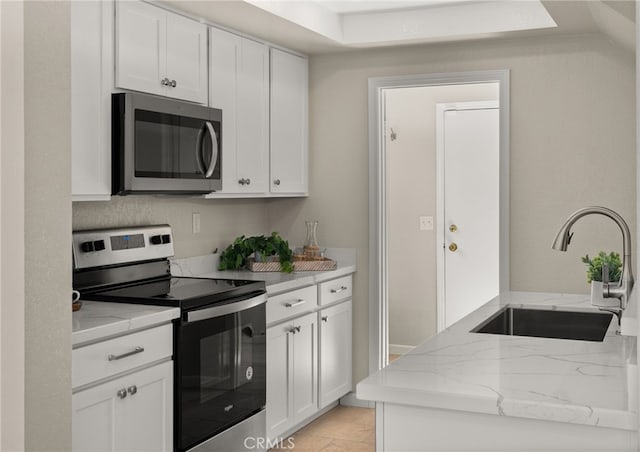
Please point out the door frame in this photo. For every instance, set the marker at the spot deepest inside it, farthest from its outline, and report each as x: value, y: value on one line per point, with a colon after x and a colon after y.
x: 378, y: 240
x: 441, y: 109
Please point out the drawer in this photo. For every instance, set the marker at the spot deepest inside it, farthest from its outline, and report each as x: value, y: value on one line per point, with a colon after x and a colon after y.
x: 336, y: 289
x: 120, y: 354
x: 292, y: 303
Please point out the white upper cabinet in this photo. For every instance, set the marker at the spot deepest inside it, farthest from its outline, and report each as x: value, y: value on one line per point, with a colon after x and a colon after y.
x: 160, y: 52
x: 289, y: 113
x: 239, y: 86
x: 91, y: 85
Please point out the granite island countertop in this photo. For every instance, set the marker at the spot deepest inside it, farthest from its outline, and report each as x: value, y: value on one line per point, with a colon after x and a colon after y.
x: 581, y: 382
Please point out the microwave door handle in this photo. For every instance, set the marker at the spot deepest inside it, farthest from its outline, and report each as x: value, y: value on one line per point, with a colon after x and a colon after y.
x: 214, y: 150
x: 199, y: 150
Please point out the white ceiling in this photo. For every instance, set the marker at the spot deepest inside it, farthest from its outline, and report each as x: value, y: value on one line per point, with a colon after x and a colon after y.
x: 324, y: 26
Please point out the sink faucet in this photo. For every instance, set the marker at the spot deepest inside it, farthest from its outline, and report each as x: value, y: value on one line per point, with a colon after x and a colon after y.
x: 622, y: 289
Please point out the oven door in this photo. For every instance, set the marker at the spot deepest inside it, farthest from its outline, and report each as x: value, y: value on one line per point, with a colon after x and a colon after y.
x: 165, y: 146
x: 220, y: 363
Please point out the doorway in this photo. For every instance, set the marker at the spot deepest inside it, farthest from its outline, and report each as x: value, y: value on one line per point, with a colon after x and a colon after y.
x: 382, y: 246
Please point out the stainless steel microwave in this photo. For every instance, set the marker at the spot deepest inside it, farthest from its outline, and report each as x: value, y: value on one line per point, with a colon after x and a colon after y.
x: 164, y: 146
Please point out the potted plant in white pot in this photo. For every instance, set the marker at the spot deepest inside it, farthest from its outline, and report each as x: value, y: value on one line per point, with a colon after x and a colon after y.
x: 594, y: 272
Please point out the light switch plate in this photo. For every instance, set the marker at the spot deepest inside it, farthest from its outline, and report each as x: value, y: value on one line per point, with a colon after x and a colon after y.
x: 426, y: 223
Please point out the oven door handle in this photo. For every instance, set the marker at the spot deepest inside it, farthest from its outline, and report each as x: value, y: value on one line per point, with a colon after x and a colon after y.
x: 230, y: 308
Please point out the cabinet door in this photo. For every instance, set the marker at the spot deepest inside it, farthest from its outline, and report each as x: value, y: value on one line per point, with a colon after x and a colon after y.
x: 142, y: 420
x: 239, y: 85
x: 92, y: 26
x: 305, y: 370
x: 279, y: 374
x: 252, y: 153
x: 186, y: 46
x: 289, y: 112
x: 224, y: 53
x: 335, y: 352
x: 140, y: 47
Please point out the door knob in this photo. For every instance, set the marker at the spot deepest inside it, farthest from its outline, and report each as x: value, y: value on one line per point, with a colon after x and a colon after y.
x: 453, y: 228
x: 453, y: 247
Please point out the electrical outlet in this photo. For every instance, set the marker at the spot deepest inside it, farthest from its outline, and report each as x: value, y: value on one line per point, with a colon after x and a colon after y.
x: 426, y: 223
x: 195, y: 222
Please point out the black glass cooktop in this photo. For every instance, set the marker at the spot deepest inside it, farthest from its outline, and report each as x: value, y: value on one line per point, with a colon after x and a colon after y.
x: 183, y: 292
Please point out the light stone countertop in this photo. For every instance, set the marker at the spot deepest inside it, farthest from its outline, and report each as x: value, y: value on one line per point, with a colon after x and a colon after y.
x: 276, y: 282
x: 581, y: 382
x: 99, y: 320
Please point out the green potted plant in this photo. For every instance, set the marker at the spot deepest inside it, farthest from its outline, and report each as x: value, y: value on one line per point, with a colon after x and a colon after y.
x: 263, y: 248
x: 594, y: 272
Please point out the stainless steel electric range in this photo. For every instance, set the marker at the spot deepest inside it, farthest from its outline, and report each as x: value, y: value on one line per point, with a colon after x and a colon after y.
x: 219, y: 339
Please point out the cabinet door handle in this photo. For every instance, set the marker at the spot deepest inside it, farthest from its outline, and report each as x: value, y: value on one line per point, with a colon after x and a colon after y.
x: 297, y: 303
x: 165, y: 82
x: 325, y: 318
x: 341, y: 289
x: 132, y: 389
x: 297, y: 328
x: 122, y: 393
x: 135, y: 351
x: 292, y: 330
x: 276, y: 182
x: 173, y: 83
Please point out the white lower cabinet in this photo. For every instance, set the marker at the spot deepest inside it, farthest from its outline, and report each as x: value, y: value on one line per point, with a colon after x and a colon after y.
x: 292, y: 385
x: 133, y: 412
x: 335, y: 352
x: 123, y: 392
x: 308, y: 353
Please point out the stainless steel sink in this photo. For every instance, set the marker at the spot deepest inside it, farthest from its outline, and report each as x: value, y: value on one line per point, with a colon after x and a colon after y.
x: 512, y: 321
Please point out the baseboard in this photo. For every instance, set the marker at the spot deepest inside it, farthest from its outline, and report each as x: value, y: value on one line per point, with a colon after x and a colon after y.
x: 350, y: 399
x: 395, y: 349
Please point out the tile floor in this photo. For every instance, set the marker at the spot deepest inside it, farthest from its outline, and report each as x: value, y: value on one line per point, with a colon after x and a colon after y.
x: 344, y: 428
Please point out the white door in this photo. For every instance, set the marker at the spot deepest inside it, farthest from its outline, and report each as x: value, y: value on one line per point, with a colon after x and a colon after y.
x: 134, y: 412
x: 335, y: 352
x: 279, y: 370
x: 289, y: 110
x: 186, y: 44
x: 140, y: 47
x: 468, y: 186
x: 305, y: 376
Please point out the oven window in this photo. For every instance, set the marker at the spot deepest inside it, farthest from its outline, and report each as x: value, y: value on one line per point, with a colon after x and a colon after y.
x: 220, y: 373
x: 170, y: 146
x: 217, y: 359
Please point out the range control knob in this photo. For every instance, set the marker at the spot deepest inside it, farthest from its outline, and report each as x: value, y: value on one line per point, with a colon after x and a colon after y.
x: 156, y: 240
x: 166, y: 238
x: 98, y: 245
x: 87, y: 247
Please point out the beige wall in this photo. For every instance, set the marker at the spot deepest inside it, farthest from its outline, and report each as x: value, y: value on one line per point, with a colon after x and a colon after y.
x: 47, y: 227
x: 411, y: 185
x: 12, y: 226
x: 221, y: 221
x: 572, y: 124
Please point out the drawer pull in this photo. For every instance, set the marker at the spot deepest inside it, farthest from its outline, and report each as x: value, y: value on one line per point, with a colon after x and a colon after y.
x: 135, y: 351
x: 341, y: 289
x: 132, y: 389
x: 122, y: 393
x: 325, y: 318
x: 297, y: 303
